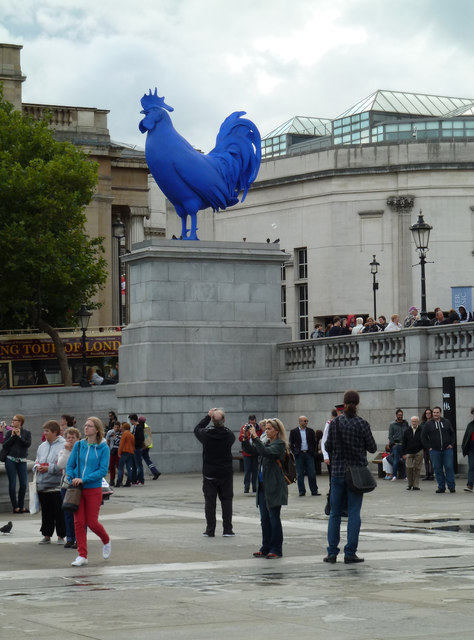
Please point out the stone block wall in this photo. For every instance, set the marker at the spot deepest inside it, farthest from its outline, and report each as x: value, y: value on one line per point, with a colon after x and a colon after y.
x: 204, y: 323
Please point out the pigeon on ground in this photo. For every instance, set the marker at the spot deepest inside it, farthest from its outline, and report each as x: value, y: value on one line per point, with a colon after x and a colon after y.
x: 7, y: 528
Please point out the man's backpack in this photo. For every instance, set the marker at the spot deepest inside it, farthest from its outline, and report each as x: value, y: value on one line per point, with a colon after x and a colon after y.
x: 288, y: 467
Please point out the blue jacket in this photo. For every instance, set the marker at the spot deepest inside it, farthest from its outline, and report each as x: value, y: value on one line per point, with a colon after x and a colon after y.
x: 93, y: 463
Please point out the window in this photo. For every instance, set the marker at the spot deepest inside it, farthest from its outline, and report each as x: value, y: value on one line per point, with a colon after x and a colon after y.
x: 303, y: 311
x: 283, y: 303
x: 302, y: 262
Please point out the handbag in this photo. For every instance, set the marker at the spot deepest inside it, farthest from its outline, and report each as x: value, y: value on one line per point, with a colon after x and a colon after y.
x: 358, y: 479
x: 72, y: 498
x: 33, y: 497
x: 73, y: 495
x: 288, y: 467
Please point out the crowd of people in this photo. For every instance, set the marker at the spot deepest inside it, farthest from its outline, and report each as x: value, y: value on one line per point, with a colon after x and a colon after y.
x: 354, y: 325
x: 430, y: 440
x: 64, y: 458
x: 346, y: 440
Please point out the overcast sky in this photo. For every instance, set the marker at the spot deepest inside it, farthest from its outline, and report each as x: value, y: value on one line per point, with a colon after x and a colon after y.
x: 271, y: 58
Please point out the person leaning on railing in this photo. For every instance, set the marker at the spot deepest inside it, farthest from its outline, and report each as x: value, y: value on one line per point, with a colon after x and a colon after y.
x: 394, y: 324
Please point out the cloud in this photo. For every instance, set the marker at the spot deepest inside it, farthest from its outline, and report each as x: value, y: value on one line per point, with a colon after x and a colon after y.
x: 272, y: 58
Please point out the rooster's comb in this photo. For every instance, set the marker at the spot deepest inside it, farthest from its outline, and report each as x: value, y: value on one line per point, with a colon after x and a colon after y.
x: 151, y: 100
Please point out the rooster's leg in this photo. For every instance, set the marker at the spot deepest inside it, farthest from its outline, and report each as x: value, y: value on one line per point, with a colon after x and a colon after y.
x: 184, y: 231
x: 193, y: 234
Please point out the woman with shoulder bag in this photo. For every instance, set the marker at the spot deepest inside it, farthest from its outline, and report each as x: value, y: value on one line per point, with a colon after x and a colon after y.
x: 87, y: 465
x: 272, y: 489
x: 48, y: 482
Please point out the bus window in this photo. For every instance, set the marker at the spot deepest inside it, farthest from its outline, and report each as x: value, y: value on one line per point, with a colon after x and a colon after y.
x: 4, y: 377
x: 32, y: 373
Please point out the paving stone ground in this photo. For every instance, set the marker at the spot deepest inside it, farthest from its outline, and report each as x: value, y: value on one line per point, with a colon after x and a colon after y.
x: 165, y: 580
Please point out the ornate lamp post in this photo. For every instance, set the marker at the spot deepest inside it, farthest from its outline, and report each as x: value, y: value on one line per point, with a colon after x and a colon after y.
x: 374, y: 269
x: 421, y: 236
x: 118, y: 230
x: 83, y: 316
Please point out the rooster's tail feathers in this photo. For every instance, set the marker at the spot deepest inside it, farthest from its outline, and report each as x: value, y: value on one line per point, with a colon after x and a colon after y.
x: 238, y: 145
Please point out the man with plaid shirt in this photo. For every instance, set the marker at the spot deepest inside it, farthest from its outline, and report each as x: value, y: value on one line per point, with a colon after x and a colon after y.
x: 349, y: 439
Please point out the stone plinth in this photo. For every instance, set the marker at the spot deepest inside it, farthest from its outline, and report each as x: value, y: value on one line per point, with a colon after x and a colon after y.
x: 204, y: 323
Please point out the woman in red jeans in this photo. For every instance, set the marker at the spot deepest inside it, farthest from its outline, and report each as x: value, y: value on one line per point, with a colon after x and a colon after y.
x: 87, y: 465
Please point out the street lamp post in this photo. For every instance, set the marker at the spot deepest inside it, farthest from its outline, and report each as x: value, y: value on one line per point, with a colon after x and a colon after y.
x: 83, y: 315
x: 374, y: 268
x: 421, y: 236
x: 118, y: 230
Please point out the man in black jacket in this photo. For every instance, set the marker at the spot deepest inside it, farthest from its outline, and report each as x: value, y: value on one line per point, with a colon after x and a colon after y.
x: 217, y: 441
x: 412, y: 451
x: 438, y: 437
x: 302, y: 443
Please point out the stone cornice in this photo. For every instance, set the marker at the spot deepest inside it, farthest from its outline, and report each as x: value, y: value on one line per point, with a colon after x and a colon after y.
x: 205, y: 250
x: 359, y: 171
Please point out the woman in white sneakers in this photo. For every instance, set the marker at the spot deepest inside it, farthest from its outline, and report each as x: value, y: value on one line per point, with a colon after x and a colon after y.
x: 87, y: 465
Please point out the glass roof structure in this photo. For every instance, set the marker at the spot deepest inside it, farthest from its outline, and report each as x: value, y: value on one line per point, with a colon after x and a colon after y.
x: 303, y: 126
x: 416, y: 104
x: 298, y: 129
x: 381, y: 117
x: 462, y: 111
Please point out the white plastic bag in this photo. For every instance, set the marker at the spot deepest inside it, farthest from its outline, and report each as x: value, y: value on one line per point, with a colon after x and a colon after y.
x: 33, y: 496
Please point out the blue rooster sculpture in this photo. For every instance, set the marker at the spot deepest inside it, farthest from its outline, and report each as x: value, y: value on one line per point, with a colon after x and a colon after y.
x: 191, y: 180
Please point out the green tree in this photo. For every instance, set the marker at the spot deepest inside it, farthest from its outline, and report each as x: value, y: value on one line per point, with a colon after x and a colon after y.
x: 49, y: 264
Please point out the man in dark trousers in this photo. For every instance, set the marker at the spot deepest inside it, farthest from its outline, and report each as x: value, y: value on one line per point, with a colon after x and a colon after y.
x: 217, y: 441
x: 303, y: 446
x: 438, y: 437
x: 412, y: 451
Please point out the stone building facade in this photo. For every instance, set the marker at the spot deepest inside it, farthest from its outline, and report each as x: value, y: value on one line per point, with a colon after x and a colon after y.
x: 334, y: 200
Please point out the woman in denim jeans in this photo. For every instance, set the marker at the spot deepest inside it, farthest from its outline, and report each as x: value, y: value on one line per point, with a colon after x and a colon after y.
x: 16, y: 444
x: 272, y: 490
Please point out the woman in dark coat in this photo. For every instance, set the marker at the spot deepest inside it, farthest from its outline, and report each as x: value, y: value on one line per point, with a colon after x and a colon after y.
x: 16, y: 444
x: 272, y: 490
x: 468, y: 450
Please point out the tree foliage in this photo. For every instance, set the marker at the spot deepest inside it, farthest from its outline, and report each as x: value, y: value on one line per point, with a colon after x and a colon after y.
x: 49, y: 265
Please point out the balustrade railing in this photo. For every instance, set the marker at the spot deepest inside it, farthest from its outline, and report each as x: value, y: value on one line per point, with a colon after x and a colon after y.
x: 457, y: 343
x: 343, y: 353
x: 387, y: 348
x: 449, y: 342
x: 60, y: 116
x: 301, y: 355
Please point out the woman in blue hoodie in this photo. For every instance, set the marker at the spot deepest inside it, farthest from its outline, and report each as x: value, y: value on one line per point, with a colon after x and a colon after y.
x: 87, y: 465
